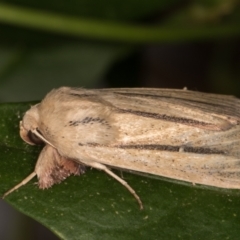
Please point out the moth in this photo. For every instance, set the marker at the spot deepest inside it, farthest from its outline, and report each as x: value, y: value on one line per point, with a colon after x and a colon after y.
x: 179, y: 134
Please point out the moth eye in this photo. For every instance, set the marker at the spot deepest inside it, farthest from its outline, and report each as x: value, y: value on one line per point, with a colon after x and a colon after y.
x: 34, y: 139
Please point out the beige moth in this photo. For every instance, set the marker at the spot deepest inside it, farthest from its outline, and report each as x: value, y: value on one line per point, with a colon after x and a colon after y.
x: 179, y: 134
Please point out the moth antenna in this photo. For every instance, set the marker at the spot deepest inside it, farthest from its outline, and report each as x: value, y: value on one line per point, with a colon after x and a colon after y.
x: 124, y: 183
x: 41, y: 137
x: 23, y: 182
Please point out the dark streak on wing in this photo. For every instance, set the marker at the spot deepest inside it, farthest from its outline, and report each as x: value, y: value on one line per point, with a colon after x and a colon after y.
x: 89, y: 120
x: 165, y: 117
x: 157, y: 96
x: 168, y: 148
x: 225, y: 106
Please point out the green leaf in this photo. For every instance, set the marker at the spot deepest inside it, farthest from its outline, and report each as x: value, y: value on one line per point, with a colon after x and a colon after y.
x: 95, y: 206
x: 113, y: 31
x: 105, y: 9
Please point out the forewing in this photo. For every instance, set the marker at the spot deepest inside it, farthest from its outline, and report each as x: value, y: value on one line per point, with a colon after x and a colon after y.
x: 178, y: 134
x: 210, y: 111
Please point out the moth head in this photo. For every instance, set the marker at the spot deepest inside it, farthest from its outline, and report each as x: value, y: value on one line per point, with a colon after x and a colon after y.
x: 29, y: 126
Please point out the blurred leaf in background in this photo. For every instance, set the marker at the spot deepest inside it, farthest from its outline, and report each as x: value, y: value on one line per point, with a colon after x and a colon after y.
x: 47, y: 44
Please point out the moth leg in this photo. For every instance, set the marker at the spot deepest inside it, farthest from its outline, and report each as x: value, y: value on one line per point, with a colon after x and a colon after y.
x: 23, y: 182
x: 124, y: 183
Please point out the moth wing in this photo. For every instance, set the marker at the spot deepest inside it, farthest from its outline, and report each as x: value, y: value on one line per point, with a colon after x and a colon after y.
x: 173, y: 133
x: 210, y: 111
x: 218, y: 170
